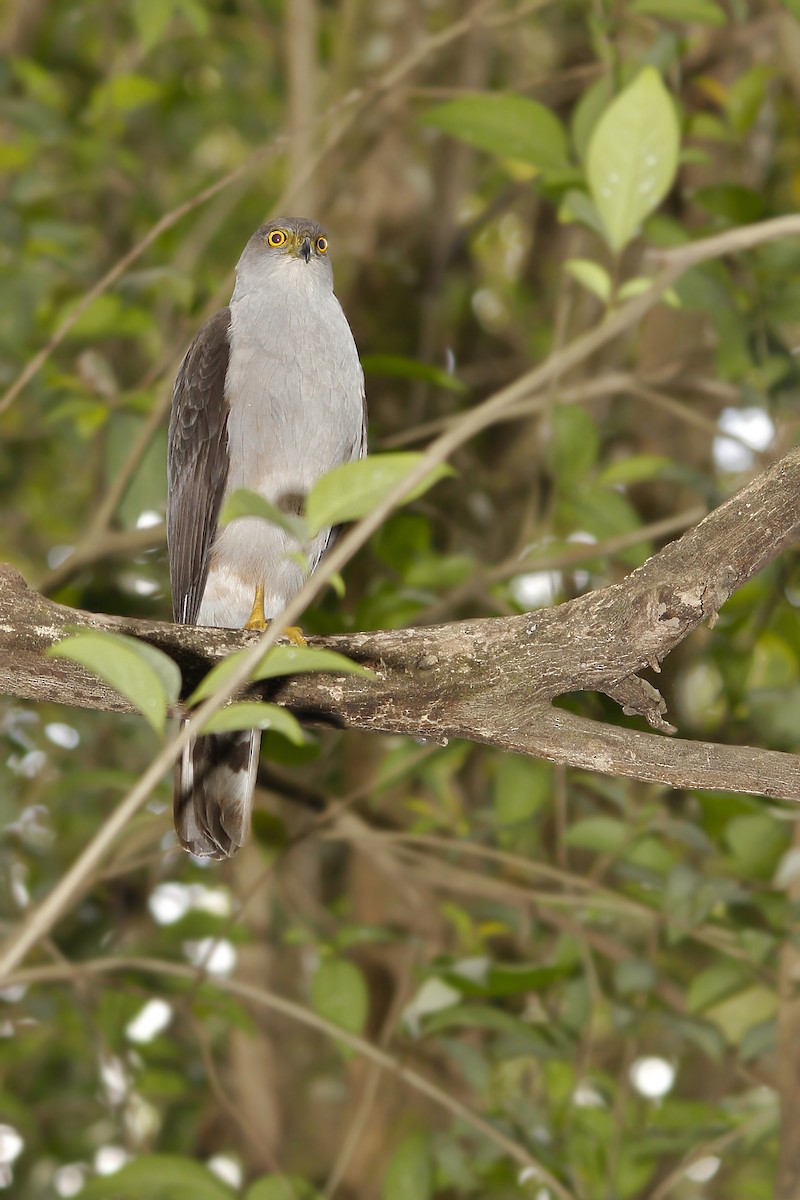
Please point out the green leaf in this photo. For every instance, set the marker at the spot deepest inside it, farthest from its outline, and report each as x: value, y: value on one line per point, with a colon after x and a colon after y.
x: 281, y: 1187
x: 244, y: 503
x: 633, y: 156
x: 634, y: 287
x: 742, y: 1011
x: 400, y: 367
x: 123, y: 94
x: 736, y: 204
x: 510, y: 126
x: 635, y: 469
x: 715, y: 983
x: 479, y: 1016
x: 605, y: 513
x: 339, y: 993
x: 507, y: 980
x: 634, y: 975
x: 354, y: 489
x: 522, y: 787
x: 698, y: 12
x: 294, y: 660
x: 145, y: 676
x: 593, y: 277
x: 605, y: 835
x: 573, y: 445
x: 278, y: 661
x: 757, y: 844
x: 251, y: 714
x: 159, y: 1177
x: 409, y: 1173
x: 588, y: 111
x: 151, y: 19
x: 577, y: 206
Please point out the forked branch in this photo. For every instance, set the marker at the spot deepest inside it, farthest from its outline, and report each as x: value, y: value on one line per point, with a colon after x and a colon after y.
x: 492, y: 680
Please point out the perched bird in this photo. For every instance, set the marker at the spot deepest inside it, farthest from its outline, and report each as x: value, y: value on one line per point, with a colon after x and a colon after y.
x: 269, y: 396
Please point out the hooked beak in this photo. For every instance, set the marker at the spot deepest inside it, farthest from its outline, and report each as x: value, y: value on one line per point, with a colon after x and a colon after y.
x: 305, y: 248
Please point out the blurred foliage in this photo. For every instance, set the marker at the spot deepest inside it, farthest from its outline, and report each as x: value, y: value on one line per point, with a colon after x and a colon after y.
x: 591, y: 964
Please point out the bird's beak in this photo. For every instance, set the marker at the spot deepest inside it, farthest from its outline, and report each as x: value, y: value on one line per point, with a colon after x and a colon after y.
x: 305, y: 248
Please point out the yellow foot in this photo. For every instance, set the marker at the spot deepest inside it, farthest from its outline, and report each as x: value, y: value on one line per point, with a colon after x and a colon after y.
x: 257, y: 620
x: 295, y: 635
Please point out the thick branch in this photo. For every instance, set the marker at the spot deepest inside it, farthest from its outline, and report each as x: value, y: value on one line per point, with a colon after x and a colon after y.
x: 493, y: 680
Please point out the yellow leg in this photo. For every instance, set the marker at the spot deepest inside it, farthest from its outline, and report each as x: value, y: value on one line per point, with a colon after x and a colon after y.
x: 257, y: 620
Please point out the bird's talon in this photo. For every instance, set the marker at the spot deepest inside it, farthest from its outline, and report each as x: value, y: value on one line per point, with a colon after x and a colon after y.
x: 295, y: 635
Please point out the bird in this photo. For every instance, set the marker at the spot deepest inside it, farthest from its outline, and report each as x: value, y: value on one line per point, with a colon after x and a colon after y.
x: 269, y: 396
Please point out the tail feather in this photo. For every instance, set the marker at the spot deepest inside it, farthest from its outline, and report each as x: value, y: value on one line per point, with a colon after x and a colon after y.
x: 215, y: 778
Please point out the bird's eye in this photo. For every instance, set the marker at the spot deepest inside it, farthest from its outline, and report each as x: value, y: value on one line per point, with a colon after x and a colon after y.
x: 276, y: 238
x: 322, y: 244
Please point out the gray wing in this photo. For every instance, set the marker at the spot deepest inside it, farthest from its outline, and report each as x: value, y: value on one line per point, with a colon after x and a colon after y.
x: 197, y: 463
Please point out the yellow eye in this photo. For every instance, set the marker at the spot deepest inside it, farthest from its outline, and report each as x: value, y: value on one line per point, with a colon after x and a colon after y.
x: 322, y: 244
x: 277, y: 237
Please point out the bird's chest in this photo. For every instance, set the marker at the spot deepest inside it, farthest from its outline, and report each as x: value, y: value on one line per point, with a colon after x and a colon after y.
x: 290, y: 386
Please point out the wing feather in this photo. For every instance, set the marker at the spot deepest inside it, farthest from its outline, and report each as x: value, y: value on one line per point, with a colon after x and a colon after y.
x: 197, y: 463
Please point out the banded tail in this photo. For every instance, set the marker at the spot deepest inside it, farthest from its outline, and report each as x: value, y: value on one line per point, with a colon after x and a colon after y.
x: 215, y: 779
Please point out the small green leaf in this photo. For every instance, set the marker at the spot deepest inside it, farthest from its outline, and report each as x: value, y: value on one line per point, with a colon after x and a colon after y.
x: 522, y: 787
x: 698, y: 12
x: 480, y: 1016
x: 152, y: 19
x: 573, y: 445
x: 339, y: 993
x: 123, y: 94
x: 244, y: 503
x: 510, y: 126
x: 281, y: 1187
x: 633, y: 156
x: 635, y: 469
x: 605, y: 835
x: 277, y: 661
x: 593, y: 277
x: 740, y: 1012
x: 409, y: 1173
x: 145, y: 676
x: 634, y: 287
x: 605, y: 513
x: 757, y: 844
x: 354, y: 489
x: 251, y: 714
x: 634, y: 975
x: 577, y: 206
x: 159, y: 1177
x: 715, y: 983
x: 400, y: 367
x: 507, y: 980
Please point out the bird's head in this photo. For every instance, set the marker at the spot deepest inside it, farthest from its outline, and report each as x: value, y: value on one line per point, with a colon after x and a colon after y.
x: 286, y: 247
x: 295, y: 237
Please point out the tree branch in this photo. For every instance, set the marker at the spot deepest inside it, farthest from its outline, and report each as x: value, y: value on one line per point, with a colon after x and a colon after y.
x: 492, y: 680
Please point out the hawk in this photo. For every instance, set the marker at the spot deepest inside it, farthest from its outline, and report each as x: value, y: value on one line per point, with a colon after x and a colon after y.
x: 269, y: 396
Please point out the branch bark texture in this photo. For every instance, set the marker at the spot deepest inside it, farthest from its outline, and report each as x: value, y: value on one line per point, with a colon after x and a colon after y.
x: 492, y: 680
